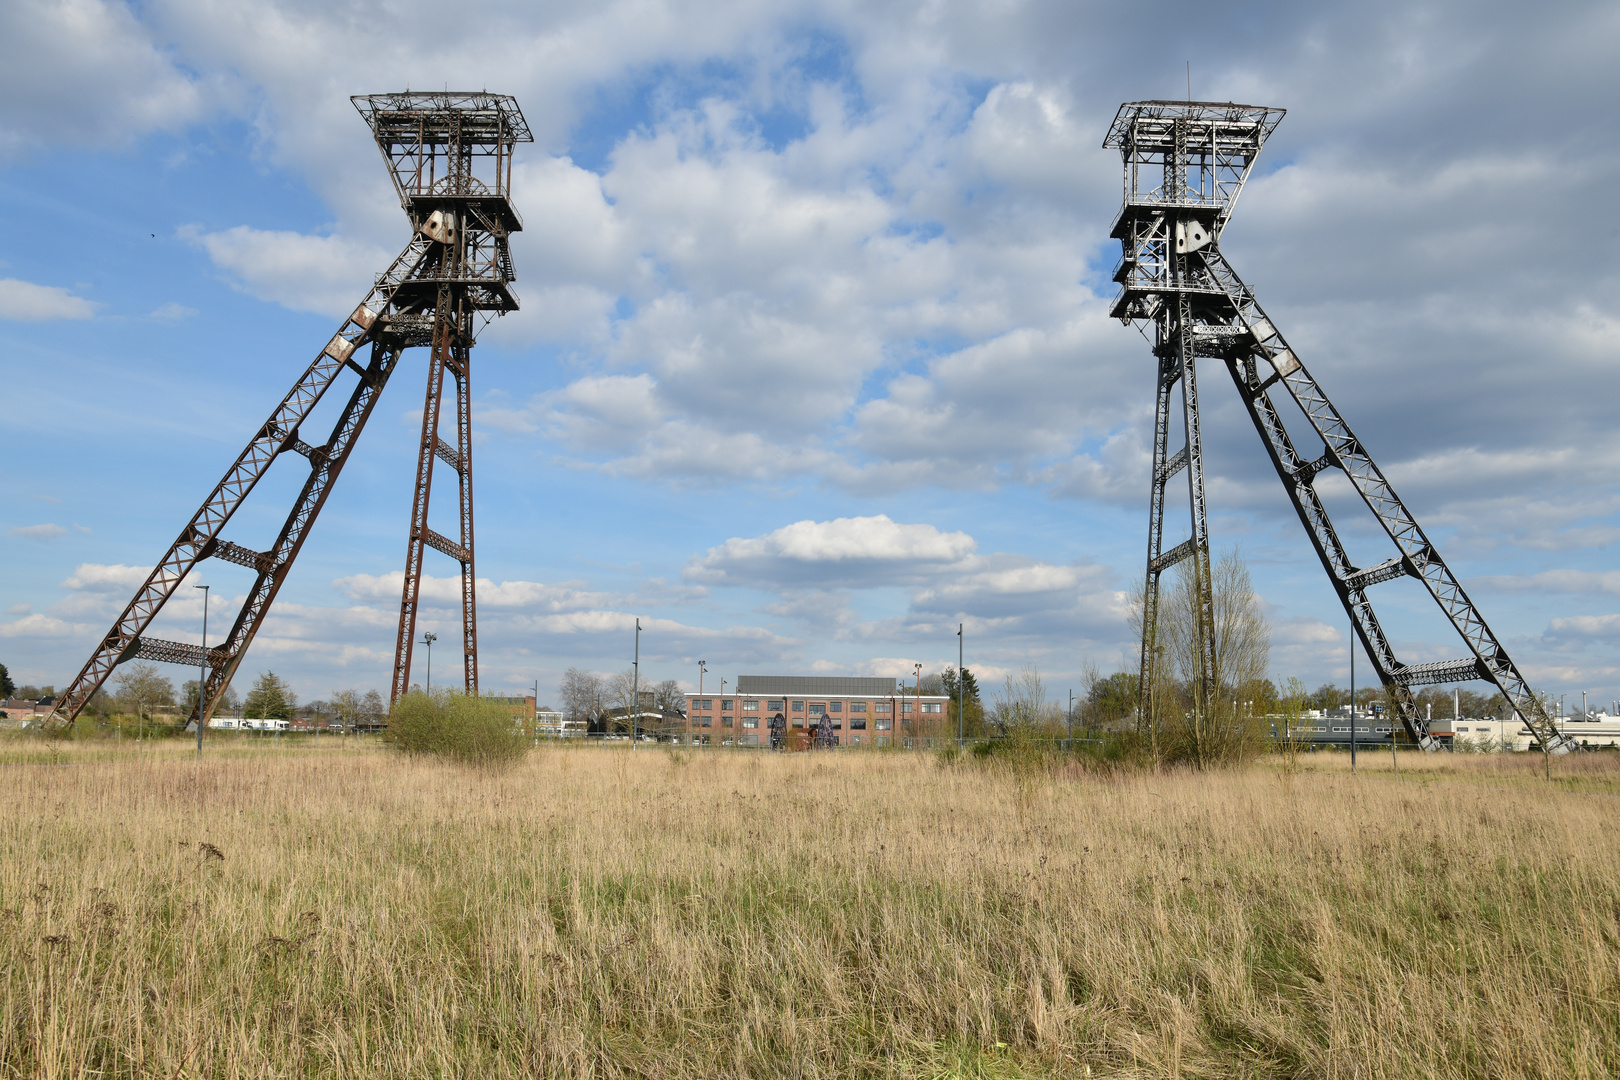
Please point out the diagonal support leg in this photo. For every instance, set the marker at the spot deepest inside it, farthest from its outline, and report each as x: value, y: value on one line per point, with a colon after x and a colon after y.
x: 1417, y: 553
x: 325, y: 465
x: 200, y: 537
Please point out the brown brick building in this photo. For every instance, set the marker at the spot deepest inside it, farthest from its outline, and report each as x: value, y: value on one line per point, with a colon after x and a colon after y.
x: 865, y: 711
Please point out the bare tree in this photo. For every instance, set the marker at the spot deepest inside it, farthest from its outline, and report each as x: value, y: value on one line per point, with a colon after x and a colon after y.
x: 621, y: 694
x: 346, y: 704
x: 372, y: 709
x: 669, y: 695
x: 1021, y: 707
x: 1183, y: 724
x: 142, y: 686
x: 581, y: 692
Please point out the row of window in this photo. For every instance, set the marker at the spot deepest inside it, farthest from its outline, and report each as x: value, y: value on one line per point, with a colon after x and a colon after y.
x: 757, y: 740
x: 816, y: 709
x: 856, y: 723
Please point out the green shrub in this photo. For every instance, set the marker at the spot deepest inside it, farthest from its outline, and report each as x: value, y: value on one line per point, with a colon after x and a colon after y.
x: 469, y: 730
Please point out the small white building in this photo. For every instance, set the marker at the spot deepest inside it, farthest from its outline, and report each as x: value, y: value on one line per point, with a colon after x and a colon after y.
x: 1598, y: 731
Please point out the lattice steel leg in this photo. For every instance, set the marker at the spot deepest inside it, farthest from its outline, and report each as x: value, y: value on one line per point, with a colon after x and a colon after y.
x: 1204, y: 617
x: 469, y: 577
x: 443, y: 332
x: 1162, y: 471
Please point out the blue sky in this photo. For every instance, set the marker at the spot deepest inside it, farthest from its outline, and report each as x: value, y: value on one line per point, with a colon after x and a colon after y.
x: 813, y: 361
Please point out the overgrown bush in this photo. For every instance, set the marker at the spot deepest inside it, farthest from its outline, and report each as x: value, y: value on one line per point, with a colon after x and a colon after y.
x: 470, y: 730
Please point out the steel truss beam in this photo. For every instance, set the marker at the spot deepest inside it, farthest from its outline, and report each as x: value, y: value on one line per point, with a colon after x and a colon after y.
x: 1173, y: 275
x: 458, y: 254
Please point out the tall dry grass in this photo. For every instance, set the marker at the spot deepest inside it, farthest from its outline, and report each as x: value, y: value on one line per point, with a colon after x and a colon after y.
x: 601, y: 913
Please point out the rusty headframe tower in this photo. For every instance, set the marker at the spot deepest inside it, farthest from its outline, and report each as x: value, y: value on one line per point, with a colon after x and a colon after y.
x: 1185, y: 164
x: 450, y: 157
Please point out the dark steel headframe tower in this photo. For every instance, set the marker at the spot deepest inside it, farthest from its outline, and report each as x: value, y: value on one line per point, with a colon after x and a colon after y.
x: 450, y: 156
x: 1185, y: 164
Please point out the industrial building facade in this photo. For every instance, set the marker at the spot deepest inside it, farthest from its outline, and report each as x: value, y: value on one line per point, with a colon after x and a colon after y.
x: 864, y: 711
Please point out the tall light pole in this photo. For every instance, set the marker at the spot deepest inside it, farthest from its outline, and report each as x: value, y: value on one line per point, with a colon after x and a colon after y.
x: 692, y: 721
x: 202, y: 670
x: 1352, y: 695
x: 534, y: 716
x: 917, y: 704
x: 428, y: 638
x: 635, y: 691
x: 961, y: 687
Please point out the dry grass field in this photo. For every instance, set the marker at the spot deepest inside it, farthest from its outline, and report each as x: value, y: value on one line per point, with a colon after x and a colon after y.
x: 288, y: 911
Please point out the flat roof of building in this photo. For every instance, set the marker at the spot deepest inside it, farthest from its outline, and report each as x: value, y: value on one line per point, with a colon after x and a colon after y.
x: 817, y: 685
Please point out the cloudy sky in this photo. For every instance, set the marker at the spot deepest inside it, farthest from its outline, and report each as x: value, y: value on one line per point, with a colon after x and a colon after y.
x: 813, y: 362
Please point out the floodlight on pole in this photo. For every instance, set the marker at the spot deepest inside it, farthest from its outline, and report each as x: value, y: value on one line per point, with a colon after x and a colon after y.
x: 428, y: 638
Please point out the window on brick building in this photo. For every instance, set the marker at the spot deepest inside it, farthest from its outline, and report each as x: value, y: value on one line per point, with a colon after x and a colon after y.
x: 883, y: 723
x: 750, y: 721
x: 750, y: 706
x: 857, y: 706
x: 798, y: 706
x: 726, y: 703
x: 931, y: 706
x: 775, y: 706
x: 882, y: 706
x: 836, y: 706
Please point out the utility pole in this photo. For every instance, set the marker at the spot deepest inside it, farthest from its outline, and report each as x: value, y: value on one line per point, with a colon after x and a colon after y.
x: 961, y: 687
x: 917, y: 700
x: 428, y: 638
x: 534, y: 716
x: 691, y: 721
x: 202, y: 671
x: 635, y: 691
x: 1352, y: 695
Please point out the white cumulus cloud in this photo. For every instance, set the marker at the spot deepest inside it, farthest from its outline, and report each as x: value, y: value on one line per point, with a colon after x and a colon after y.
x: 24, y: 301
x: 859, y: 549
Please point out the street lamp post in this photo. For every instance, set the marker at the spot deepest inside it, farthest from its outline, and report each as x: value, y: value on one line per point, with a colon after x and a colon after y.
x: 961, y: 688
x: 428, y: 638
x: 534, y: 716
x: 1352, y: 695
x: 635, y: 692
x: 692, y: 721
x: 917, y: 702
x: 202, y: 670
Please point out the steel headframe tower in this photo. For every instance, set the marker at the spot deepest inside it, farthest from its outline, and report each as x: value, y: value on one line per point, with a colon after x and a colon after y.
x: 1185, y: 164
x: 450, y: 157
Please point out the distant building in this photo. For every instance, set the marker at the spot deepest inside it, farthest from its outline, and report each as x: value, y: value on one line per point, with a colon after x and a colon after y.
x: 520, y: 709
x: 1331, y: 727
x: 861, y: 711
